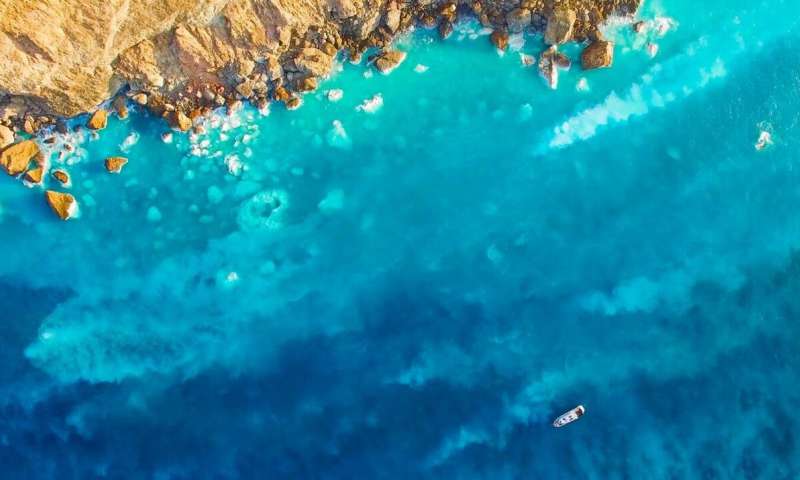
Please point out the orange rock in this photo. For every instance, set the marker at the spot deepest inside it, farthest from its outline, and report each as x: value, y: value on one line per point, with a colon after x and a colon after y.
x: 179, y: 120
x: 16, y: 158
x: 61, y: 176
x: 115, y: 164
x: 99, y: 120
x: 63, y: 204
x: 599, y: 54
x: 34, y: 175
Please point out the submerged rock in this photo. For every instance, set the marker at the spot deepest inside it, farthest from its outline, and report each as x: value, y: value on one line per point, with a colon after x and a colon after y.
x: 599, y: 54
x: 6, y: 136
x: 115, y: 164
x: 61, y: 176
x: 63, y: 204
x: 16, y: 158
x: 99, y: 120
x: 387, y: 61
x: 560, y: 24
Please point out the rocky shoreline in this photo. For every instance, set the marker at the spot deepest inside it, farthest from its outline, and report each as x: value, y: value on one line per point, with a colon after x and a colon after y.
x: 195, y: 56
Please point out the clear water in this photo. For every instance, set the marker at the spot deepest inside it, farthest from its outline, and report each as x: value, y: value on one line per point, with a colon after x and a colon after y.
x: 418, y: 291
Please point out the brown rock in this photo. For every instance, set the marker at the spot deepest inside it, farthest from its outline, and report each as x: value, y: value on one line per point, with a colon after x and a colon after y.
x: 99, y: 120
x: 307, y: 84
x: 312, y: 61
x: 121, y: 107
x: 599, y: 54
x: 63, y: 204
x: 293, y: 103
x: 34, y: 175
x: 61, y: 176
x: 281, y: 94
x: 140, y: 99
x: 445, y: 29
x: 518, y: 19
x: 559, y: 26
x: 115, y: 164
x: 179, y: 120
x: 392, y: 19
x: 499, y: 39
x: 16, y: 158
x: 6, y: 136
x: 387, y: 61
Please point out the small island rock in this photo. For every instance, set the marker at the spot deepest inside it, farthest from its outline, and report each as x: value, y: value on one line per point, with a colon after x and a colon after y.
x: 99, y: 120
x: 179, y: 120
x: 121, y: 107
x: 61, y: 176
x: 63, y: 204
x: 115, y: 164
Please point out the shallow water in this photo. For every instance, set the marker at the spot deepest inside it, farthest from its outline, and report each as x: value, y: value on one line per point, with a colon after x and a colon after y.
x: 416, y: 288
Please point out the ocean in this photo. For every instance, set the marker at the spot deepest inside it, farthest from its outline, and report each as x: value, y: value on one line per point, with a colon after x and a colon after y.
x: 413, y: 274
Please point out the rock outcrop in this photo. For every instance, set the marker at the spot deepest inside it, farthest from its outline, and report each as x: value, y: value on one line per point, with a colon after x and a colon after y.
x: 65, y: 57
x: 560, y: 25
x: 16, y: 158
x: 63, y: 204
x: 6, y: 136
x: 388, y: 60
x: 98, y: 120
x: 599, y: 54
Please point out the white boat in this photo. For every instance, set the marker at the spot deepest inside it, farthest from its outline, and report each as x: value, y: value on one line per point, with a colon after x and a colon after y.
x: 569, y: 416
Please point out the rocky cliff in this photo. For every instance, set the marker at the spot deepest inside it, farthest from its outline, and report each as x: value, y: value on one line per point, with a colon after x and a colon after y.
x: 64, y: 57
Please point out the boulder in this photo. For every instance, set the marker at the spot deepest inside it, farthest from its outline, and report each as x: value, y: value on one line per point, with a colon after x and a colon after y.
x: 281, y: 94
x: 99, y: 120
x: 518, y: 19
x: 6, y: 136
x: 179, y: 120
x: 63, y: 204
x: 548, y: 68
x: 140, y: 99
x: 16, y: 158
x: 115, y: 164
x: 343, y: 9
x: 34, y: 175
x: 559, y: 26
x: 388, y: 60
x: 599, y: 54
x: 499, y: 39
x: 312, y: 61
x: 61, y: 176
x: 392, y: 19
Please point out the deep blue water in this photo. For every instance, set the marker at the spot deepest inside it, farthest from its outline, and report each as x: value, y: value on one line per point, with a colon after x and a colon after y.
x: 416, y: 292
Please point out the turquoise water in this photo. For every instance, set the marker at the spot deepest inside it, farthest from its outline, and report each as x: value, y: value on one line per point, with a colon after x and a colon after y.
x: 417, y: 291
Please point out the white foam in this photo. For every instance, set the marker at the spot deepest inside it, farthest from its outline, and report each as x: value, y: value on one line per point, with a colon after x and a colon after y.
x: 420, y: 68
x: 371, y: 105
x: 337, y: 135
x: 129, y: 142
x: 334, y: 94
x: 582, y: 85
x: 234, y: 164
x: 764, y: 140
x: 166, y: 137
